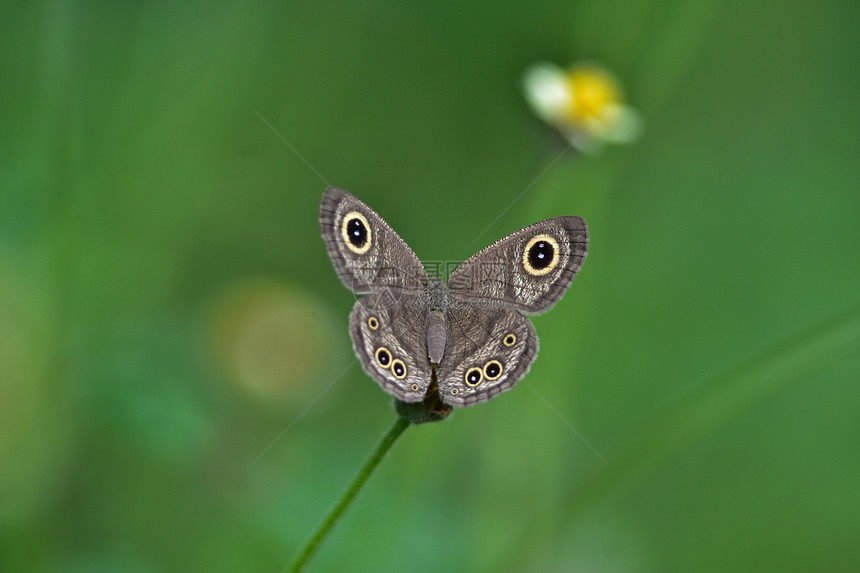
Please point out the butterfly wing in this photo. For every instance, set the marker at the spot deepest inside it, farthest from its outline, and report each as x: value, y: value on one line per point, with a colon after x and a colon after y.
x: 489, y: 351
x: 389, y: 337
x: 528, y: 270
x: 367, y: 254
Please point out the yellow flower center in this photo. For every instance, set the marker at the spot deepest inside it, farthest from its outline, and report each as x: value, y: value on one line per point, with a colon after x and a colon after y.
x: 593, y: 90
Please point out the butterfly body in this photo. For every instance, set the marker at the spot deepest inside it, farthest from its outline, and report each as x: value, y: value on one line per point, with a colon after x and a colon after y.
x: 469, y: 339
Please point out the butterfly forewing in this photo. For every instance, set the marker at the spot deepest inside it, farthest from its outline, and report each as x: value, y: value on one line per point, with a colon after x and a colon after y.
x: 367, y: 254
x: 528, y: 270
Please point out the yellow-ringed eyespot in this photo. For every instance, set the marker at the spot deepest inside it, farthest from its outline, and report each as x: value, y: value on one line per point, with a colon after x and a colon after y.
x: 356, y: 232
x: 414, y: 387
x: 455, y: 391
x: 540, y: 255
x: 473, y: 376
x: 493, y: 369
x: 509, y: 339
x: 383, y: 357
x: 398, y: 368
x: 373, y: 323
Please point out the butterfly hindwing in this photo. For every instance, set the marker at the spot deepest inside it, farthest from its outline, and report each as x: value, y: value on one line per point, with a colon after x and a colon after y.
x: 489, y: 351
x: 388, y: 339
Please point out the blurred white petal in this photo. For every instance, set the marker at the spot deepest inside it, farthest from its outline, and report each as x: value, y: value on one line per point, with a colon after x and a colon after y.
x: 546, y: 90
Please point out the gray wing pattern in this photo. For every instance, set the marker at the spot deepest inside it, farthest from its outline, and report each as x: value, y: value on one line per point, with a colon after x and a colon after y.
x: 386, y: 262
x: 498, y: 273
x: 389, y: 339
x: 489, y: 351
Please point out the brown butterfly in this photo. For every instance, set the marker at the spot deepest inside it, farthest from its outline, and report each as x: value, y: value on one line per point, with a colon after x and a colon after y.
x: 469, y: 338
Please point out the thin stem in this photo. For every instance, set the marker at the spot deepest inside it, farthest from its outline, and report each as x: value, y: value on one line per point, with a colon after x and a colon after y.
x: 325, y: 527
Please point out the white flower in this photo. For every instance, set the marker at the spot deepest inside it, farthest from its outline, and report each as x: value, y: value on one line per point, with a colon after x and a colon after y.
x: 585, y: 103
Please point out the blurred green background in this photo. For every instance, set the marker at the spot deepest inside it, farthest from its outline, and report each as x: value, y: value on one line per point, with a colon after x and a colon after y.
x: 177, y: 385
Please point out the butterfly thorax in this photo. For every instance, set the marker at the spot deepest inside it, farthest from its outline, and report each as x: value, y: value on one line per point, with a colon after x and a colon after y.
x: 436, y: 296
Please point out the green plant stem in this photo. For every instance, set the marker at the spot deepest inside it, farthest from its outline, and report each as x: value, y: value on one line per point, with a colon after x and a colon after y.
x: 325, y: 527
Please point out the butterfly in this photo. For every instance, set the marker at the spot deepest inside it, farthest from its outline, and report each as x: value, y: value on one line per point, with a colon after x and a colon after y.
x: 462, y: 342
